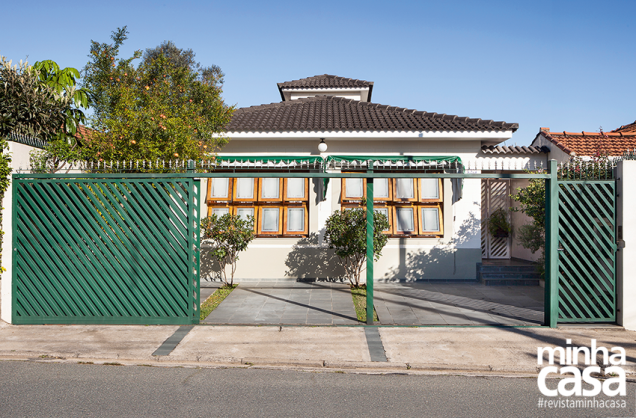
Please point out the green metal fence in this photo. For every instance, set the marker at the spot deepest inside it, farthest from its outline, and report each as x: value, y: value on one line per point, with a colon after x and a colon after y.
x: 587, y: 251
x: 105, y: 250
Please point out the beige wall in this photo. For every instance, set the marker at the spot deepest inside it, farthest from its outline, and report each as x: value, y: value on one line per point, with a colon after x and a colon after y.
x: 518, y: 219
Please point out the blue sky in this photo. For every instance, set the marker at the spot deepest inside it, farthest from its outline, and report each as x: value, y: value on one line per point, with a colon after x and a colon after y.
x: 567, y: 65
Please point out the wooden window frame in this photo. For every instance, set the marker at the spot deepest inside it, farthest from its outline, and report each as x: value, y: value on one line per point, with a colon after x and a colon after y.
x: 259, y: 231
x: 382, y: 199
x: 415, y: 220
x: 343, y: 192
x: 389, y: 216
x: 440, y: 188
x: 295, y: 199
x: 219, y: 205
x: 415, y: 191
x: 235, y: 190
x: 305, y: 231
x: 235, y: 209
x: 440, y: 215
x: 230, y: 190
x: 281, y: 191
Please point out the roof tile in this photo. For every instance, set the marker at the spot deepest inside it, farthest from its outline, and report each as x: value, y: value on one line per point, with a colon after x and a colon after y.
x: 330, y: 113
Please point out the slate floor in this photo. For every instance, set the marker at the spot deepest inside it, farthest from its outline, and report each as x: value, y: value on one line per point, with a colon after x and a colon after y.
x: 288, y: 302
x: 458, y: 304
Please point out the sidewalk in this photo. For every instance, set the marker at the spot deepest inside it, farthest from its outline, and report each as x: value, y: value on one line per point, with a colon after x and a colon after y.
x: 482, y: 350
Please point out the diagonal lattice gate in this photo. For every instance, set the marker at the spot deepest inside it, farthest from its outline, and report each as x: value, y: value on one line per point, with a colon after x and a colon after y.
x: 587, y: 251
x: 107, y: 250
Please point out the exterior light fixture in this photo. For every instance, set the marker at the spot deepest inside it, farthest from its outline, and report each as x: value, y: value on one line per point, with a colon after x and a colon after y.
x: 322, y: 147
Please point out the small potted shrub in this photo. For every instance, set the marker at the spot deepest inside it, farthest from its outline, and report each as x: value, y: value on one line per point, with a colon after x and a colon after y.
x: 498, y: 224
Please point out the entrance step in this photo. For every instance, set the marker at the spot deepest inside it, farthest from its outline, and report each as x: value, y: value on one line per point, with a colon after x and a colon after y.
x: 502, y: 275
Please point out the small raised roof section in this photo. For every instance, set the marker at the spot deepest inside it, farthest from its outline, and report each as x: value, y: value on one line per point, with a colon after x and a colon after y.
x: 326, y: 84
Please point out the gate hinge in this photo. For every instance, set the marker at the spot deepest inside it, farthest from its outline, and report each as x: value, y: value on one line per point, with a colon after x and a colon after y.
x: 620, y: 243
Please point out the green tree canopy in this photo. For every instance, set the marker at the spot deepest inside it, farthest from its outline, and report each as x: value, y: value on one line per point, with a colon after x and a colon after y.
x: 161, y: 109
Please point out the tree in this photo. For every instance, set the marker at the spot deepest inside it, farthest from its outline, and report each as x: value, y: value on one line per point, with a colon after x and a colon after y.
x: 229, y: 234
x: 532, y: 203
x: 184, y: 58
x: 159, y: 110
x: 346, y: 232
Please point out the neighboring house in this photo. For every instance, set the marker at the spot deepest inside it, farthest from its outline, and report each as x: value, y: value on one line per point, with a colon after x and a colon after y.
x: 435, y: 230
x: 564, y: 145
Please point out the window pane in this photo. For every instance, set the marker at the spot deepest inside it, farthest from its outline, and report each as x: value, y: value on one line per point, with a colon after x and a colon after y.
x: 405, y: 219
x: 220, y: 188
x: 430, y: 219
x: 220, y: 211
x: 404, y: 189
x: 381, y: 188
x: 245, y: 188
x: 270, y: 189
x: 243, y: 213
x: 295, y: 219
x: 296, y: 188
x: 384, y: 211
x: 354, y: 188
x: 270, y: 220
x: 429, y: 188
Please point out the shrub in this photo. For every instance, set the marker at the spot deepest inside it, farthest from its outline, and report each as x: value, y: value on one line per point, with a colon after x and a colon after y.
x: 346, y: 233
x: 229, y: 234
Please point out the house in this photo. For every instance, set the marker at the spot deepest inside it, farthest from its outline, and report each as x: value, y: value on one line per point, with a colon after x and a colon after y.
x: 435, y: 230
x: 564, y: 145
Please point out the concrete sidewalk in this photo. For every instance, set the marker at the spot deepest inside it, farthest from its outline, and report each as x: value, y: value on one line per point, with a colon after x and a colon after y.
x: 480, y: 350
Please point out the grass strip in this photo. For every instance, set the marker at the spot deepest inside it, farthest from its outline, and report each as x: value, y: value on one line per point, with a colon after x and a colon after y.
x: 215, y: 299
x: 359, y: 295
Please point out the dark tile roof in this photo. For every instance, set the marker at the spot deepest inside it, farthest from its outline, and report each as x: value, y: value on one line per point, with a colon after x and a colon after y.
x: 499, y: 149
x: 588, y: 144
x: 325, y: 81
x: 330, y: 113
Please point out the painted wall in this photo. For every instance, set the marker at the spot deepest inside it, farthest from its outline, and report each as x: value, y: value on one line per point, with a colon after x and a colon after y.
x: 19, y: 160
x: 626, y: 257
x: 517, y: 220
x: 452, y: 257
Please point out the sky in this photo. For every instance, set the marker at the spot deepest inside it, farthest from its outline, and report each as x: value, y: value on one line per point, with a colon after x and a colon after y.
x: 566, y: 65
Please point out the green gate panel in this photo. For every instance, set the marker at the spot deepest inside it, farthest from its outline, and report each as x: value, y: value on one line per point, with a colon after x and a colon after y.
x: 106, y: 251
x: 587, y: 251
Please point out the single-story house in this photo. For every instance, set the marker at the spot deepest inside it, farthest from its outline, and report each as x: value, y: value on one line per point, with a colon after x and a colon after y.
x: 436, y: 225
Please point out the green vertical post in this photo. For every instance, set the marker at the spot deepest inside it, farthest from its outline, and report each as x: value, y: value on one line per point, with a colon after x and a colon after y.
x: 551, y: 305
x: 370, y: 213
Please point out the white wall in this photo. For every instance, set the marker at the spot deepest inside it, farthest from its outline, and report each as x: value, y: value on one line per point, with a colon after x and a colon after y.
x: 518, y: 219
x: 626, y: 257
x: 19, y: 160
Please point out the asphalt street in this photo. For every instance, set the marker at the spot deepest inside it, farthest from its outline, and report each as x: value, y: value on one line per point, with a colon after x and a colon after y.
x: 30, y: 389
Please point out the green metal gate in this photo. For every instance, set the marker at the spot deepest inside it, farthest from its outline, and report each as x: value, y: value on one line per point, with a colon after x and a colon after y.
x: 105, y: 250
x: 586, y: 251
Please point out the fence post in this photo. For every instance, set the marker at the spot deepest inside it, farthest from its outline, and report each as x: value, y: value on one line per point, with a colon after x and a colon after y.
x: 370, y: 214
x: 551, y: 308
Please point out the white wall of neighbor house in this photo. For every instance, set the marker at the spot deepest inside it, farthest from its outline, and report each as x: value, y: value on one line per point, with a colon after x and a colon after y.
x: 453, y: 256
x: 626, y: 257
x: 20, y: 155
x: 555, y: 153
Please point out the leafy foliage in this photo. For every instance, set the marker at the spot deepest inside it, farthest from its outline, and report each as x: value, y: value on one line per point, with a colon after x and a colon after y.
x: 229, y: 234
x: 498, y: 223
x: 532, y: 203
x: 161, y: 109
x: 346, y: 232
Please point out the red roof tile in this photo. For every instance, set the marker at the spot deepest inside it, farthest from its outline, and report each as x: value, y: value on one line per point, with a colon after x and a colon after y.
x: 631, y: 128
x: 587, y: 144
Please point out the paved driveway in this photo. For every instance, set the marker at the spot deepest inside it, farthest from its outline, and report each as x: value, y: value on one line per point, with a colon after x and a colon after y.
x: 286, y: 302
x: 289, y: 302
